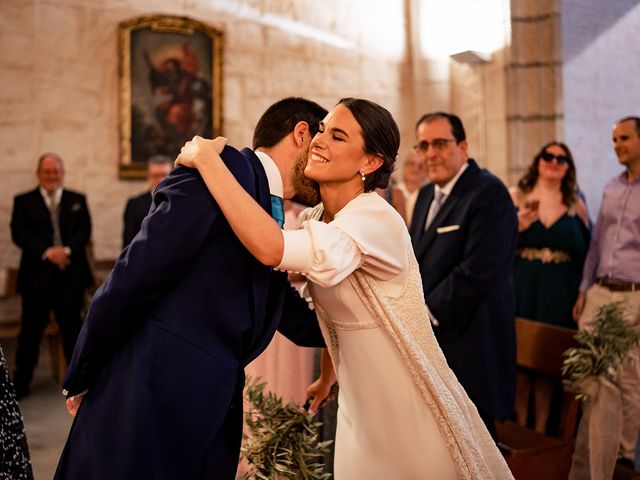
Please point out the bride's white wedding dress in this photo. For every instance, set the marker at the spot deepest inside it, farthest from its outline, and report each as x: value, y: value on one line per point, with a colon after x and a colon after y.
x: 402, y: 413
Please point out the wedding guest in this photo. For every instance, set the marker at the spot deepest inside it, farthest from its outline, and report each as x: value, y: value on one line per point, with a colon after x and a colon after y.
x: 52, y: 226
x: 414, y: 177
x: 464, y: 231
x: 553, y: 238
x: 612, y: 269
x: 158, y: 167
x: 14, y: 451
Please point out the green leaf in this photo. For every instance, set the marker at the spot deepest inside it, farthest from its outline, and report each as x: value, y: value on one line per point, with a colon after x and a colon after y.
x: 603, y: 349
x: 281, y: 441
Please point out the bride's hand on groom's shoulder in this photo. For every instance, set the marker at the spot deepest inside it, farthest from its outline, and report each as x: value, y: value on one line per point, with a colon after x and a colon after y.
x: 200, y: 149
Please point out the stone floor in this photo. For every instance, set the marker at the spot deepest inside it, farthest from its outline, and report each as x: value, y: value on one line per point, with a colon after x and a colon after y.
x: 45, y: 415
x: 47, y: 421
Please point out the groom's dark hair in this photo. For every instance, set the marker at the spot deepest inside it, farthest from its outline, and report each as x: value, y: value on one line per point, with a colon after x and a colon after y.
x: 280, y: 119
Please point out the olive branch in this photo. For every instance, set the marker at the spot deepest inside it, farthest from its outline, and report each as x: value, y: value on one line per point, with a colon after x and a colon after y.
x: 602, y: 350
x: 281, y: 441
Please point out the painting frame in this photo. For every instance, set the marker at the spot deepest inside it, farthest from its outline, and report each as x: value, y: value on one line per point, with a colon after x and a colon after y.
x: 170, y: 87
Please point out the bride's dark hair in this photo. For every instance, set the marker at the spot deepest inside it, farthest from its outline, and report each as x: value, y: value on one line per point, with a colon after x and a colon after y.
x: 381, y: 137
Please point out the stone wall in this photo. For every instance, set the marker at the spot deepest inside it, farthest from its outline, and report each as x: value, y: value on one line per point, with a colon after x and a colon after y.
x: 567, y: 71
x: 534, y: 106
x: 571, y: 74
x: 471, y: 86
x: 600, y: 84
x: 59, y: 77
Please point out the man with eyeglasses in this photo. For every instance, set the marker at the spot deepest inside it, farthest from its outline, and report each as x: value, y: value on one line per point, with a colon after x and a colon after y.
x: 612, y: 269
x: 464, y: 231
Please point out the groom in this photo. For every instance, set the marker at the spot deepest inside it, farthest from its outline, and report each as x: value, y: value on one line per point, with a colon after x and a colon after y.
x: 159, y: 365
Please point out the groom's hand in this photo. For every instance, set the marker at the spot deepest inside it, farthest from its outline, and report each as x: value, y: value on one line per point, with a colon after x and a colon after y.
x: 73, y: 404
x: 198, y: 149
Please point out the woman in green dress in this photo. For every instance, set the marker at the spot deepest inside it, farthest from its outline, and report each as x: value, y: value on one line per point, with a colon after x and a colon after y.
x: 552, y: 245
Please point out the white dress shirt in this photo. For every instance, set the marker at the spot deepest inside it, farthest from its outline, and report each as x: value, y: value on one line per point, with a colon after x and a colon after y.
x: 273, y: 174
x: 446, y: 190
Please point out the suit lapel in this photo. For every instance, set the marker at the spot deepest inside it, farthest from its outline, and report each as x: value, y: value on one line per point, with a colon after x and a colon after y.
x: 456, y: 194
x: 63, y: 211
x: 430, y: 233
x: 40, y: 206
x: 420, y: 212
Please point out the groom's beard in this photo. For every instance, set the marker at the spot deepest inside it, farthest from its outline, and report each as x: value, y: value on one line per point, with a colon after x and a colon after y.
x: 307, y: 190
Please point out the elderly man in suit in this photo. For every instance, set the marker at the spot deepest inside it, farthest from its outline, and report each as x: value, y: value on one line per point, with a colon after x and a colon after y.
x: 158, y: 373
x: 464, y: 231
x: 158, y: 167
x: 52, y: 226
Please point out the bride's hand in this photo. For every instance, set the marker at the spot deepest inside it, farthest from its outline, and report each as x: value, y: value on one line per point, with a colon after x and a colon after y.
x: 200, y: 149
x: 318, y: 393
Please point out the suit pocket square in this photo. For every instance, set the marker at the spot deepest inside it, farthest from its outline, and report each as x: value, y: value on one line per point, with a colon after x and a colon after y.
x: 75, y: 207
x: 448, y: 228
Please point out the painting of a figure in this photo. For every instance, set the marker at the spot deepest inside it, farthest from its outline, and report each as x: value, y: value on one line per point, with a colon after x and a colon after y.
x: 172, y: 74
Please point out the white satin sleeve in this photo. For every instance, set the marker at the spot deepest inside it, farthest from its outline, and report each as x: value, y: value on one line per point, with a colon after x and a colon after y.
x: 366, y: 234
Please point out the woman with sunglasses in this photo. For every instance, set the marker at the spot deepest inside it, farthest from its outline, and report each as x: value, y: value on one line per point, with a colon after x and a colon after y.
x: 552, y: 245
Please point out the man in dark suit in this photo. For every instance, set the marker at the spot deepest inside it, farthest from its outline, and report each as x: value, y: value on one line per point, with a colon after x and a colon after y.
x: 161, y: 355
x: 464, y: 231
x: 52, y: 227
x: 158, y: 167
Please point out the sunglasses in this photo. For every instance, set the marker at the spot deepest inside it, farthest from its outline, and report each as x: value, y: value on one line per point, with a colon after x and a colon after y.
x: 561, y: 159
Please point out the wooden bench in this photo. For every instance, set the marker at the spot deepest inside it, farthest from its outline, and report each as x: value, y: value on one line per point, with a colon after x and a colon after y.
x: 531, y: 455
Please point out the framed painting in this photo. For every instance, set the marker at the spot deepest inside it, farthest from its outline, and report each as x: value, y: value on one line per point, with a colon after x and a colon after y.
x: 170, y: 72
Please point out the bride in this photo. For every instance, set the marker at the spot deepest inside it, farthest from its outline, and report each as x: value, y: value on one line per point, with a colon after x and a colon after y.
x: 402, y: 412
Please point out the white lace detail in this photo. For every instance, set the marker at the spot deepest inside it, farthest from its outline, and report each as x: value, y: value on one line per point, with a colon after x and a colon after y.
x: 328, y: 332
x: 406, y: 321
x: 351, y: 325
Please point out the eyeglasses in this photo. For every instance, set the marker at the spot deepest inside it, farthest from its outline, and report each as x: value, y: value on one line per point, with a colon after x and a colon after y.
x: 438, y: 144
x: 548, y: 157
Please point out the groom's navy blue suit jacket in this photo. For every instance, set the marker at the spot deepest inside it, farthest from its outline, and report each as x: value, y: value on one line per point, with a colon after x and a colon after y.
x: 465, y: 258
x: 167, y: 337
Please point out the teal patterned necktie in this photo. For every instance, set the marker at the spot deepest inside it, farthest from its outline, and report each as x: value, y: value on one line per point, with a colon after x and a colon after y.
x: 277, y: 210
